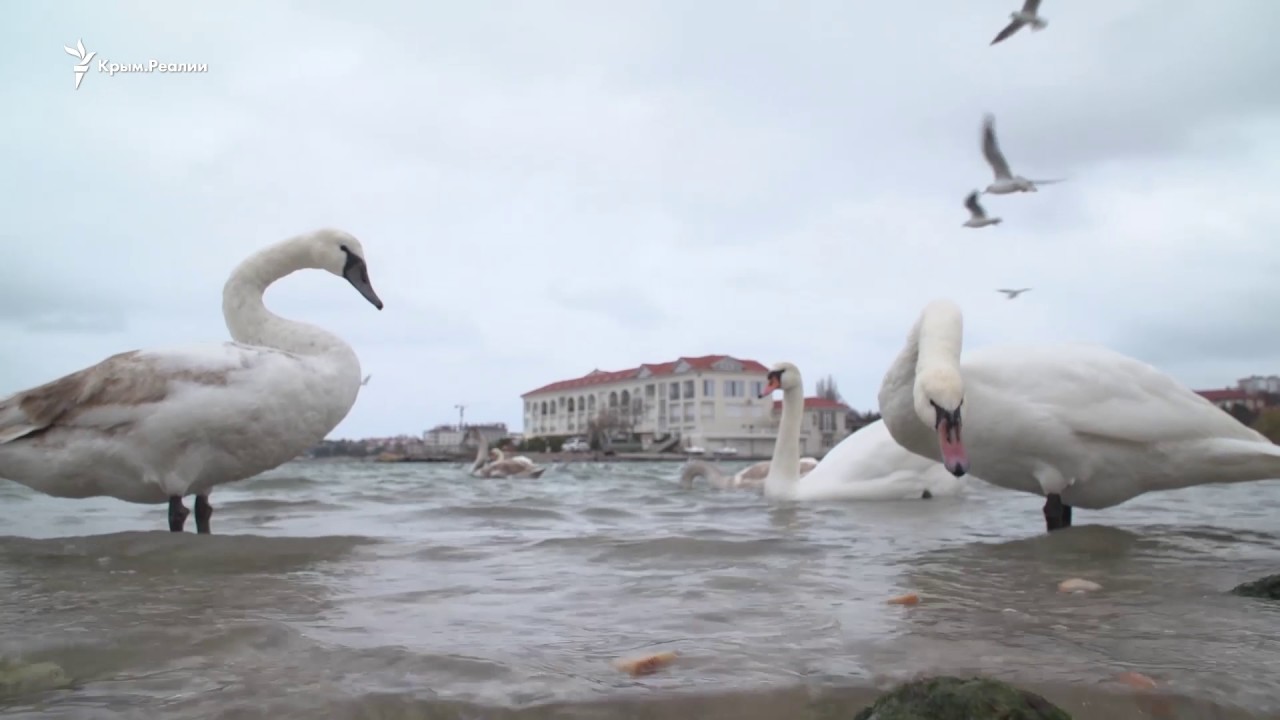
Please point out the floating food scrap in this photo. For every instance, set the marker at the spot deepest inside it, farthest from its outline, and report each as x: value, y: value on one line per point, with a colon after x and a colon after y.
x: 1077, y: 585
x: 645, y: 664
x: 908, y: 599
x: 1136, y: 680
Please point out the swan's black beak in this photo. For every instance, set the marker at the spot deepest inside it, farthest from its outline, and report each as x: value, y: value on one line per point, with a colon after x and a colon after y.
x: 774, y: 383
x: 357, y: 274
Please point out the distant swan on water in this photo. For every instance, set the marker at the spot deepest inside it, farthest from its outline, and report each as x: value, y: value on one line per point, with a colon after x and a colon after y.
x: 867, y: 465
x: 493, y: 463
x: 1076, y: 424
x: 152, y: 426
x: 752, y: 476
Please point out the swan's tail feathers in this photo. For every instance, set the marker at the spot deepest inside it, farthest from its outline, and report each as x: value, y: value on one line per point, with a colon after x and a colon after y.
x: 15, y: 423
x: 695, y: 469
x: 537, y: 473
x: 1247, y: 459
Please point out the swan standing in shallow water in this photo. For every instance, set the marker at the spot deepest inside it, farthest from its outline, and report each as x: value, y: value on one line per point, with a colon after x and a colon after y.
x: 1081, y: 425
x: 152, y: 426
x: 752, y: 476
x: 867, y: 465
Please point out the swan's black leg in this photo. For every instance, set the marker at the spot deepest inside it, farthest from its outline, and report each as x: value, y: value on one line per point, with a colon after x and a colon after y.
x: 1056, y: 514
x: 204, y: 511
x: 177, y: 513
x: 926, y: 495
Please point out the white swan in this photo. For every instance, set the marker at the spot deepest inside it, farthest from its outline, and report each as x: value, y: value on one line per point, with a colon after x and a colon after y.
x: 1083, y: 426
x: 752, y: 476
x: 867, y: 465
x: 152, y: 426
x: 493, y: 463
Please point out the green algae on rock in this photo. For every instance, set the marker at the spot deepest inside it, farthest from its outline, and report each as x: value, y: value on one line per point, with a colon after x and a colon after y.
x: 1267, y: 588
x: 18, y: 678
x: 953, y: 698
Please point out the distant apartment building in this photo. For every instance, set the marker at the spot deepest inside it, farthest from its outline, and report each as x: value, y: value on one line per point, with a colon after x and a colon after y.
x: 453, y: 437
x: 710, y: 401
x: 1254, y: 393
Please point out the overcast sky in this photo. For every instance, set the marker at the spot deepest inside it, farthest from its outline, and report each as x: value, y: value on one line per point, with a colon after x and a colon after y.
x: 544, y: 188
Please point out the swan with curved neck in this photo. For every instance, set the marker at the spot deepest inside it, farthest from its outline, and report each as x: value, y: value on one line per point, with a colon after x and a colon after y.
x: 867, y: 465
x: 1080, y: 425
x: 152, y: 426
x: 754, y: 476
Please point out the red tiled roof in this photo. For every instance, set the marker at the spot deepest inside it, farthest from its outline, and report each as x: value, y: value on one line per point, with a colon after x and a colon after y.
x: 815, y: 403
x: 1223, y: 395
x: 602, y: 377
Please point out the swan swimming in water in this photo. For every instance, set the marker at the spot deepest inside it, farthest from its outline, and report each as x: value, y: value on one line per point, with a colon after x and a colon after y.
x: 1080, y: 425
x: 152, y: 426
x: 493, y: 463
x: 867, y: 465
x: 752, y: 476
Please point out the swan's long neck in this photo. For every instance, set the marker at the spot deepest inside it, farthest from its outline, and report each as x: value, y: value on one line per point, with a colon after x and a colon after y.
x: 896, y: 398
x: 933, y: 349
x: 247, y: 317
x: 784, y: 468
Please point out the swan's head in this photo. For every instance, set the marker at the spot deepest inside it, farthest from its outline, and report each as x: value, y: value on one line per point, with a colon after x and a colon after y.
x: 495, y: 454
x: 782, y: 376
x: 939, y: 395
x: 341, y: 254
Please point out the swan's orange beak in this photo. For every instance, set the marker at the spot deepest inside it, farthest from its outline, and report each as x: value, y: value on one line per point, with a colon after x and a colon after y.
x: 770, y: 386
x: 954, y: 456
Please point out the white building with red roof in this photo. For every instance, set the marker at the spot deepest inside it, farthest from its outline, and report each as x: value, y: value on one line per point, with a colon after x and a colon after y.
x: 709, y: 401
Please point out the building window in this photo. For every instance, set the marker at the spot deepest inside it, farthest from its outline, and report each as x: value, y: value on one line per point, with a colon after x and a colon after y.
x: 648, y: 391
x: 673, y: 391
x: 591, y: 403
x: 734, y: 388
x: 688, y: 412
x: 828, y: 423
x: 733, y: 411
x: 571, y: 405
x: 688, y: 389
x: 757, y: 388
x: 544, y: 407
x: 709, y: 388
x: 674, y: 415
x: 708, y: 411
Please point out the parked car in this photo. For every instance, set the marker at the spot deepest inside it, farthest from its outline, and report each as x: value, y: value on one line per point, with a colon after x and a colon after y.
x: 575, y: 444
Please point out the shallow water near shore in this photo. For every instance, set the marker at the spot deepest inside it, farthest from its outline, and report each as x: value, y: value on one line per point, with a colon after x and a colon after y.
x: 363, y: 590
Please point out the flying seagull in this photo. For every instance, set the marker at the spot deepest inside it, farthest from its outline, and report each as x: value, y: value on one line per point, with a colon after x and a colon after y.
x: 365, y: 381
x: 977, y: 216
x: 1026, y: 16
x: 1013, y: 293
x: 1006, y: 182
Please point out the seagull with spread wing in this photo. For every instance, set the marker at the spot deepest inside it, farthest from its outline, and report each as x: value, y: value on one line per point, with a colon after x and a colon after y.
x: 1028, y: 15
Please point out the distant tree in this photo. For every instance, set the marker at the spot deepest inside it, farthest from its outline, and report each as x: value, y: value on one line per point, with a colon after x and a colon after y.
x: 601, y: 428
x: 1268, y: 423
x: 828, y: 389
x: 1241, y: 412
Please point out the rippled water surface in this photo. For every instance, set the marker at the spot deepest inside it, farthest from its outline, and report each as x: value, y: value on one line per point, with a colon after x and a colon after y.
x: 360, y: 590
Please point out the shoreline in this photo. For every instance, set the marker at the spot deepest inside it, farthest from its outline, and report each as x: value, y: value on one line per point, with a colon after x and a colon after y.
x: 545, y: 458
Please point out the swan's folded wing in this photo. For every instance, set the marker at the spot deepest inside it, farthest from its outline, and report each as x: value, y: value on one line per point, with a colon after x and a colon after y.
x: 1098, y: 392
x: 109, y: 394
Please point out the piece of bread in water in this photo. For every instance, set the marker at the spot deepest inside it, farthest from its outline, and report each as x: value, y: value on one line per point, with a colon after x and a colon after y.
x: 645, y: 664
